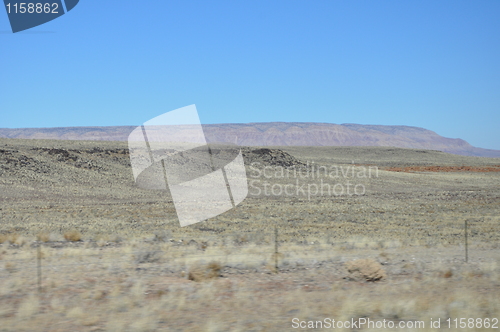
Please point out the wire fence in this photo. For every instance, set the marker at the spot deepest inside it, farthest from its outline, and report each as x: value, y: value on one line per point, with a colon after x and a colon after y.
x: 174, y: 256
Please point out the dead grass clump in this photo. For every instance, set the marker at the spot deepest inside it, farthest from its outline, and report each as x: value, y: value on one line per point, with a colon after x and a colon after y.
x: 147, y: 256
x: 28, y: 307
x: 10, y: 266
x: 20, y: 241
x: 11, y: 238
x: 73, y: 236
x: 3, y: 238
x: 43, y: 237
x: 365, y: 269
x: 200, y: 271
x: 162, y: 236
x: 447, y: 274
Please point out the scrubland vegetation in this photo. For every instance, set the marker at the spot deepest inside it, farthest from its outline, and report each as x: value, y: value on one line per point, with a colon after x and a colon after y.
x: 113, y: 258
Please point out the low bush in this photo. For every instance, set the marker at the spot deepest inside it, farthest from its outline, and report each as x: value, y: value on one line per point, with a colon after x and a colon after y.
x: 201, y: 271
x: 73, y: 236
x: 365, y: 269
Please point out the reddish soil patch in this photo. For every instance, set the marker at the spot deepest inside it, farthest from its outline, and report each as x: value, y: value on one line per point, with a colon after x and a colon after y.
x: 412, y: 169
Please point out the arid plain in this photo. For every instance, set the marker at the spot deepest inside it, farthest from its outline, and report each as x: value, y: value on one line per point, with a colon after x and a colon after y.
x: 84, y: 249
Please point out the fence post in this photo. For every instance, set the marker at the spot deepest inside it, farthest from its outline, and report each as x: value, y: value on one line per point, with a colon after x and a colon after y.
x: 276, y: 249
x: 466, y: 244
x: 39, y: 267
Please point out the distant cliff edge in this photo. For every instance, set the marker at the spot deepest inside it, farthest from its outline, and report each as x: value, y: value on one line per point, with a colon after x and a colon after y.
x: 282, y: 134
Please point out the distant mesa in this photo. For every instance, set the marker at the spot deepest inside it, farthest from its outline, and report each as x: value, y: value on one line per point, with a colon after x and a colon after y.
x: 281, y: 134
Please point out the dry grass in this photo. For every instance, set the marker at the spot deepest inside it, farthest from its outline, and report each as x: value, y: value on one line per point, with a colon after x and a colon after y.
x: 365, y: 269
x: 4, y: 238
x: 130, y: 267
x: 10, y: 238
x: 10, y: 266
x: 73, y: 236
x: 201, y: 271
x: 28, y: 307
x: 43, y: 237
x: 107, y: 291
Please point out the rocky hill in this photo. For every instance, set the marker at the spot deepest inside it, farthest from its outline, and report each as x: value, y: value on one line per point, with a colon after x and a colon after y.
x: 282, y: 134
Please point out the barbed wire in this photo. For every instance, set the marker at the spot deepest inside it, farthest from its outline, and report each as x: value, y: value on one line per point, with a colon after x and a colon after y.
x: 140, y: 252
x: 177, y: 253
x: 189, y: 252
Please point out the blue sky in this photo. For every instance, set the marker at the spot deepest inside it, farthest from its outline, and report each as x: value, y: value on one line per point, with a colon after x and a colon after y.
x: 431, y: 64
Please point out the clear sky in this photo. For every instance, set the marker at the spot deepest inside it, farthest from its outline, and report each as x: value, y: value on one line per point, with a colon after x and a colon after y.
x: 431, y: 64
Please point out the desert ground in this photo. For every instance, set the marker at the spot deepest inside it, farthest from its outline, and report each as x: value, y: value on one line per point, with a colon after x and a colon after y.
x: 343, y: 233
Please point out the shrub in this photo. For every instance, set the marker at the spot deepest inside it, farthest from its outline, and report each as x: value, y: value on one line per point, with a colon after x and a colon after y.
x: 11, y: 238
x: 365, y: 269
x: 43, y: 237
x: 3, y: 238
x: 73, y: 236
x: 147, y: 256
x: 162, y: 236
x: 20, y: 241
x: 10, y: 266
x: 28, y: 307
x: 447, y: 274
x: 200, y: 271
